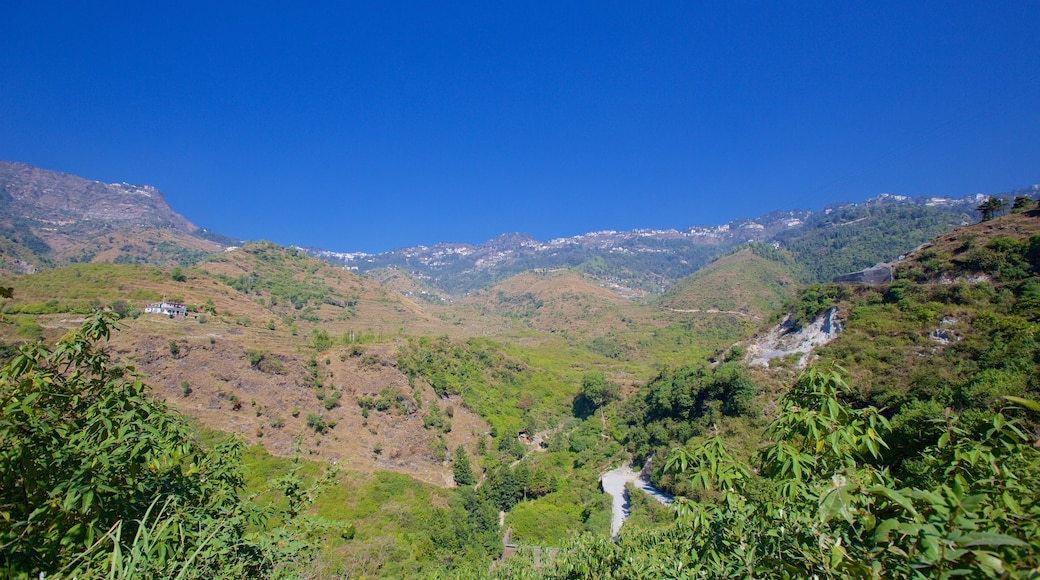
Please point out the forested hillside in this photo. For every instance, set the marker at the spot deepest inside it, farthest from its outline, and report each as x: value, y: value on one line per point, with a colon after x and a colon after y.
x: 850, y: 238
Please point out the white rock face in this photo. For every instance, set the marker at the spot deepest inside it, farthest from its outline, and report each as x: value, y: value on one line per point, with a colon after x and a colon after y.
x: 783, y: 339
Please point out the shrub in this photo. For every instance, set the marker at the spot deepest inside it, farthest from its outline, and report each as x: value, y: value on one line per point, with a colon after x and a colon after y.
x: 26, y: 327
x: 331, y: 400
x: 316, y: 422
x: 254, y: 357
x: 320, y: 340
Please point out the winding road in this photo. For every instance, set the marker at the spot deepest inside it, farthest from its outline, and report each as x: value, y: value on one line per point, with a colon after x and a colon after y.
x: 614, y: 482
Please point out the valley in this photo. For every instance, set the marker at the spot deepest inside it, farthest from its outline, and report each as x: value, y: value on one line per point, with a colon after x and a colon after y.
x: 391, y: 409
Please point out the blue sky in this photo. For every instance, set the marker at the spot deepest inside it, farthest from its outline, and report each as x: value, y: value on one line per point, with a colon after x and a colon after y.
x: 367, y: 126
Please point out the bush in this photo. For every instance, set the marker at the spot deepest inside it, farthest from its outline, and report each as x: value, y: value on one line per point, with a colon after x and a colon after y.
x: 120, y: 307
x: 316, y: 422
x: 331, y: 400
x: 26, y: 327
x: 254, y: 357
x: 320, y: 340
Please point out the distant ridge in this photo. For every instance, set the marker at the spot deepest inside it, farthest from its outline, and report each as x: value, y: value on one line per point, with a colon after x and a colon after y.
x: 49, y: 218
x: 61, y: 199
x: 854, y: 235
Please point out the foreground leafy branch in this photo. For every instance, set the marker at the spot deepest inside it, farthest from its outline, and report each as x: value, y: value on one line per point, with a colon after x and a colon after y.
x: 821, y: 504
x: 98, y: 476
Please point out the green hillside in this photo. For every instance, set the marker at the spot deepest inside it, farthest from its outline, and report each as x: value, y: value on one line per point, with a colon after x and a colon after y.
x: 754, y: 280
x: 853, y: 237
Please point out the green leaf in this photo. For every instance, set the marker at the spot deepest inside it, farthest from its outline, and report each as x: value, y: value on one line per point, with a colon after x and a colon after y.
x: 958, y: 487
x: 895, y: 496
x: 883, y: 530
x: 990, y: 561
x: 944, y: 440
x: 838, y: 554
x: 990, y: 539
x: 1027, y: 403
x: 88, y: 500
x: 1011, y: 504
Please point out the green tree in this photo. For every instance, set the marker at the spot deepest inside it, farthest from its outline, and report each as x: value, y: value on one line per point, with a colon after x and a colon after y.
x: 1022, y: 202
x: 821, y: 505
x: 598, y: 389
x: 461, y: 468
x: 991, y: 207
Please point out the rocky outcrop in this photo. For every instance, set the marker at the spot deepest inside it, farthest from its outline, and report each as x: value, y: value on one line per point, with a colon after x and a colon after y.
x: 785, y: 339
x: 879, y: 274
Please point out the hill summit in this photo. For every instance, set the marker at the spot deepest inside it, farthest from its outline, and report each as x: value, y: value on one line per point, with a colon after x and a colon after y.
x: 61, y: 200
x: 49, y: 218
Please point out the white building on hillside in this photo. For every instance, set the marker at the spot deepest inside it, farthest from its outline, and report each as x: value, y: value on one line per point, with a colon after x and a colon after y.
x: 167, y: 308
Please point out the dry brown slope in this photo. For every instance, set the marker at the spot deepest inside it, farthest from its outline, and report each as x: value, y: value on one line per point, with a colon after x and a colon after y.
x: 270, y: 403
x: 340, y: 301
x: 559, y: 301
x: 211, y: 354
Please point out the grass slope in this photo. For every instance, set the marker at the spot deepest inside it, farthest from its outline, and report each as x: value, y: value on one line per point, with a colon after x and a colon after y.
x: 743, y: 282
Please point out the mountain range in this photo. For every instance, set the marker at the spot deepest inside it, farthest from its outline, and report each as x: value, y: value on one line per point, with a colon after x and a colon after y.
x: 49, y: 218
x: 645, y: 261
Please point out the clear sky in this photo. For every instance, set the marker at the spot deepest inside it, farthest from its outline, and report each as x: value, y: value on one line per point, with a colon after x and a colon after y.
x: 365, y: 126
